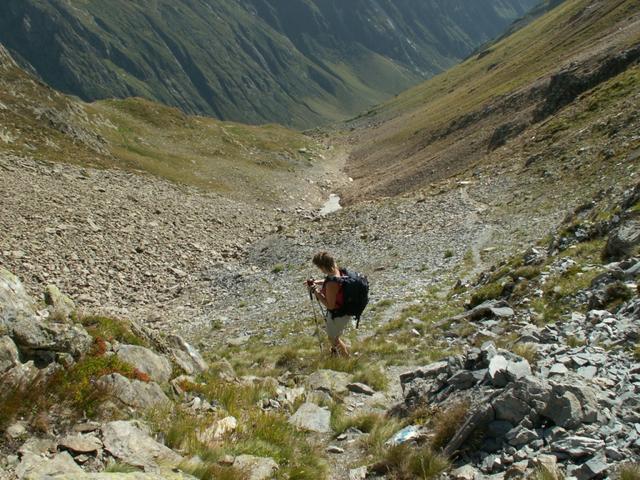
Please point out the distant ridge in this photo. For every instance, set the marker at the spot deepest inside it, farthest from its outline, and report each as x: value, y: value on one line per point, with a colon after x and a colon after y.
x: 301, y: 63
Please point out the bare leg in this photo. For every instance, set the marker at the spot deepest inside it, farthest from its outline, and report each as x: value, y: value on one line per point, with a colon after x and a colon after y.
x: 342, y: 347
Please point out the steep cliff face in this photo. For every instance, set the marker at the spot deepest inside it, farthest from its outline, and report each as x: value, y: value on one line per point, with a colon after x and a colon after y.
x: 299, y: 62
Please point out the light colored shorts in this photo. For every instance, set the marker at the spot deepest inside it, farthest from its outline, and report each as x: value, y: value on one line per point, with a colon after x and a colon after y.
x: 335, y: 326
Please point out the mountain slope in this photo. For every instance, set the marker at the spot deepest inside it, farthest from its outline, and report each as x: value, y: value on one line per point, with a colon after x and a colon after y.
x: 262, y: 164
x: 513, y: 91
x: 300, y: 63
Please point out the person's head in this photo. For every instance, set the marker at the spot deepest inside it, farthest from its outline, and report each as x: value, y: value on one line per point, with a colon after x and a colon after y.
x: 325, y: 262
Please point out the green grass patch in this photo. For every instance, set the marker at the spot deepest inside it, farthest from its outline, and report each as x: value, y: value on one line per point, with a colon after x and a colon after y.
x: 403, y: 462
x: 110, y: 329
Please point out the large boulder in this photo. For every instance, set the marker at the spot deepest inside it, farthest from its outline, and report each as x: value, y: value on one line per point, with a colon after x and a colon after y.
x: 146, y: 361
x: 41, y: 341
x: 133, y: 393
x: 15, y: 303
x: 186, y: 356
x: 624, y: 240
x: 36, y: 467
x: 9, y: 356
x: 329, y: 381
x: 131, y: 443
x: 312, y: 418
x: 255, y: 468
x: 61, y: 305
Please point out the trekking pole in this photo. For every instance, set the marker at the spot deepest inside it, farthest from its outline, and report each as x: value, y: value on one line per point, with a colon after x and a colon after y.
x: 315, y: 317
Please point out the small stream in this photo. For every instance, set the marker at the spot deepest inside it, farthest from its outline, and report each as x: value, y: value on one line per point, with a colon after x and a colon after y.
x: 331, y: 205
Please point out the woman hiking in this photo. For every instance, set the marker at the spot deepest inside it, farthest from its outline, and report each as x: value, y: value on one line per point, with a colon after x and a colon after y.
x: 330, y: 293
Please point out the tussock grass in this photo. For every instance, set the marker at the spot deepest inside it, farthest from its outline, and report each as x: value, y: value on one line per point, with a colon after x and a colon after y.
x: 403, y: 462
x: 629, y: 471
x: 365, y: 422
x: 543, y: 473
x: 373, y: 375
x: 528, y: 351
x: 259, y: 433
x: 636, y: 352
x: 383, y: 430
x: 446, y: 423
x: 110, y: 329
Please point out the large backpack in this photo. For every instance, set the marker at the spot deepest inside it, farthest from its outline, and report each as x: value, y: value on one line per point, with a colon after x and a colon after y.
x: 355, y: 291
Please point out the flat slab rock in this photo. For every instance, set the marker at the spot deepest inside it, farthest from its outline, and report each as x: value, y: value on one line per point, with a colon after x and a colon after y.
x: 36, y: 467
x: 256, y: 468
x: 133, y: 393
x: 147, y: 361
x: 329, y: 381
x: 312, y: 418
x: 130, y: 442
x: 81, y: 443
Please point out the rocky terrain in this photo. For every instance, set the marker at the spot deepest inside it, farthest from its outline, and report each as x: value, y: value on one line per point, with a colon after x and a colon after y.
x: 152, y: 326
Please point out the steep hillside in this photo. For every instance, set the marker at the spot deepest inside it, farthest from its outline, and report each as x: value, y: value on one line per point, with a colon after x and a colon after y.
x: 525, y: 102
x: 299, y: 63
x: 264, y: 164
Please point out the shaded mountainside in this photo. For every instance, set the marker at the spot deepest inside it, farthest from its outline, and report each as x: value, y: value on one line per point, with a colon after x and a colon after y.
x: 299, y: 63
x: 510, y: 99
x: 264, y: 164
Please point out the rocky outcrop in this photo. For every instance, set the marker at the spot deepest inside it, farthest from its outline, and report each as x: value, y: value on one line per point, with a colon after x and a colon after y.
x: 131, y: 443
x: 133, y: 393
x: 156, y: 366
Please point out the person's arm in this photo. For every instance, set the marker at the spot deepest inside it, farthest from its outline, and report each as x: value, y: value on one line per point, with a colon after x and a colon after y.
x: 330, y: 294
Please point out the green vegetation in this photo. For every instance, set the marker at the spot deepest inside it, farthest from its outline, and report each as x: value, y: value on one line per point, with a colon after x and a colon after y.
x: 110, y: 329
x: 405, y: 463
x: 259, y: 433
x: 629, y: 471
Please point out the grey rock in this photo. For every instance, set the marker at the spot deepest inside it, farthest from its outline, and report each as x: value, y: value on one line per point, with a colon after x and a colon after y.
x: 577, y: 446
x: 81, y: 443
x: 588, y: 372
x: 558, y: 369
x: 358, y: 473
x: 130, y: 442
x: 20, y: 377
x: 520, y: 436
x: 335, y: 449
x: 35, y: 467
x: 329, y: 381
x: 147, y: 361
x: 429, y: 371
x: 238, y: 341
x: 38, y: 446
x: 40, y: 340
x: 61, y: 304
x: 499, y: 429
x: 133, y: 393
x: 361, y: 388
x: 592, y: 468
x: 15, y: 431
x: 502, y: 370
x: 256, y: 468
x: 465, y: 472
x: 520, y: 398
x: 15, y: 303
x: 623, y: 240
x: 187, y: 356
x: 312, y: 418
x: 9, y: 355
x: 564, y: 409
x: 462, y: 380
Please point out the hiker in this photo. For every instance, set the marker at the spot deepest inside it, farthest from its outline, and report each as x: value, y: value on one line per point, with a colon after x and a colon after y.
x: 330, y: 293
